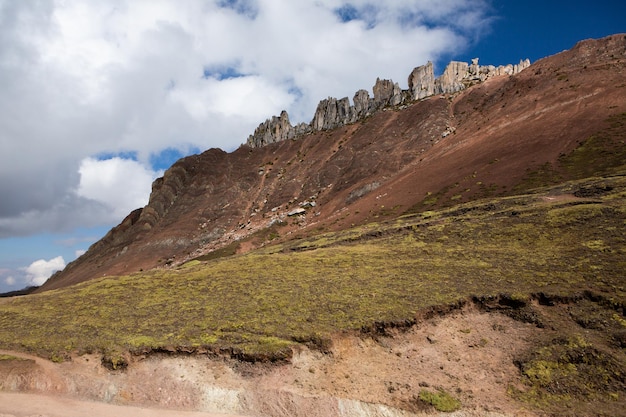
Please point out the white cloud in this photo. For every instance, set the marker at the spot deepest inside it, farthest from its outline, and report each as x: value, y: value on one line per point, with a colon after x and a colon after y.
x: 84, y: 78
x: 244, y: 97
x: 39, y: 271
x: 9, y: 281
x: 120, y: 184
x: 79, y: 252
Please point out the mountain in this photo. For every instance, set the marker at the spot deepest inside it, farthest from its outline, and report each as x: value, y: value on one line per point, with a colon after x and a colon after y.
x: 476, y: 131
x: 456, y: 247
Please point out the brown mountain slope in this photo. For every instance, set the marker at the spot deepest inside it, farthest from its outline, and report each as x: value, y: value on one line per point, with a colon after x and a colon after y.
x: 499, y: 137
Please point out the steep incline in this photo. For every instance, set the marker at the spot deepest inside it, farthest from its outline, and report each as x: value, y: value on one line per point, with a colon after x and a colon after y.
x: 485, y: 140
x: 512, y: 133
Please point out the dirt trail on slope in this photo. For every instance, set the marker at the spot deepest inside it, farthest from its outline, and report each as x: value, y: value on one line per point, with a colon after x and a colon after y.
x: 35, y: 405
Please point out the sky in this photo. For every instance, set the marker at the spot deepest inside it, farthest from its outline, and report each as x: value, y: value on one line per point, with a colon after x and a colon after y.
x: 98, y: 98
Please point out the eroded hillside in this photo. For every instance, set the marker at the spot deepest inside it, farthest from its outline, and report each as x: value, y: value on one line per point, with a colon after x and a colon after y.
x: 484, y: 141
x: 361, y: 316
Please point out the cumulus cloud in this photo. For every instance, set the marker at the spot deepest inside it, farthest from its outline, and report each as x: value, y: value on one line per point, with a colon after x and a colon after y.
x: 39, y: 271
x: 120, y: 184
x: 82, y: 79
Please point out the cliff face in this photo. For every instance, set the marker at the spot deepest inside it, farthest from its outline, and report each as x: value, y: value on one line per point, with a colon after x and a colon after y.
x: 332, y: 112
x: 483, y: 140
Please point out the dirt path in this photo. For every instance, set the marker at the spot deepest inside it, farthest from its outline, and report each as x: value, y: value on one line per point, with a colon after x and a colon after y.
x: 31, y: 405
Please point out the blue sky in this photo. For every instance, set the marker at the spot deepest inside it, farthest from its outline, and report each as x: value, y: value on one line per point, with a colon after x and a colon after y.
x: 131, y: 86
x: 536, y: 29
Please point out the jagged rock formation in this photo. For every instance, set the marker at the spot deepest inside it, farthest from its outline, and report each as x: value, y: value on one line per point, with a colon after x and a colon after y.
x: 332, y: 113
x: 452, y: 78
x: 456, y: 77
x: 387, y: 93
x: 278, y: 129
x: 362, y: 105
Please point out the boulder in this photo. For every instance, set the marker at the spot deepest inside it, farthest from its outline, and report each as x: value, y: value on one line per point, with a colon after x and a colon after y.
x: 296, y: 212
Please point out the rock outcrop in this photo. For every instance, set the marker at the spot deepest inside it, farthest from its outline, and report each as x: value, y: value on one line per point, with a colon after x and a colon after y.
x: 456, y: 77
x: 277, y: 129
x: 362, y: 103
x: 452, y: 78
x: 478, y: 73
x: 332, y: 112
x: 422, y: 82
x: 387, y: 93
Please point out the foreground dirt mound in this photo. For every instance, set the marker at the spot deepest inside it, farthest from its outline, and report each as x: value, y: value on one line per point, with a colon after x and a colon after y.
x: 493, y: 356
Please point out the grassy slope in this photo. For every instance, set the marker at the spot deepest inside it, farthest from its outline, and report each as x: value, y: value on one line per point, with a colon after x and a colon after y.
x: 303, y: 291
x: 559, y: 240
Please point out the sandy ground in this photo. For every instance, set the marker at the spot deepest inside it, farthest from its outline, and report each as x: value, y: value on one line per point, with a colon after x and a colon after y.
x: 31, y: 405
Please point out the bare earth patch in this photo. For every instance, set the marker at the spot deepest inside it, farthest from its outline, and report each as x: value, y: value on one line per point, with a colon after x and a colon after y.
x: 36, y: 405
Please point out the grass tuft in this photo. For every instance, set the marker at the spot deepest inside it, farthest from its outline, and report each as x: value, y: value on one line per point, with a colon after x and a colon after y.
x: 441, y: 400
x: 568, y: 371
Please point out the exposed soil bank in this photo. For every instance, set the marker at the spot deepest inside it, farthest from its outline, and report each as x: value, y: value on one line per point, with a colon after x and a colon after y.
x: 467, y: 353
x: 477, y: 352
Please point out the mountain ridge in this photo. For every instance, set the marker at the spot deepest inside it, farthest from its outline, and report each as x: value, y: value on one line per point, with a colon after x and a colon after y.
x: 482, y: 141
x: 332, y: 112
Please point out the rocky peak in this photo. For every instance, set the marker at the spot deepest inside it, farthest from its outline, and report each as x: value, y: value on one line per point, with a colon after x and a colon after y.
x: 456, y: 77
x: 276, y: 129
x: 362, y: 103
x: 332, y: 112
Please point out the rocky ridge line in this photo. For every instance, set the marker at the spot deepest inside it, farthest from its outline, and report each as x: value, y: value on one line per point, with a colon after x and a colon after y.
x: 333, y: 112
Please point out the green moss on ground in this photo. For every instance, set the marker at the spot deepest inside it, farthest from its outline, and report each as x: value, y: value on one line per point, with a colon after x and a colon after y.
x: 441, y: 400
x: 562, y: 241
x: 572, y: 374
x: 10, y: 358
